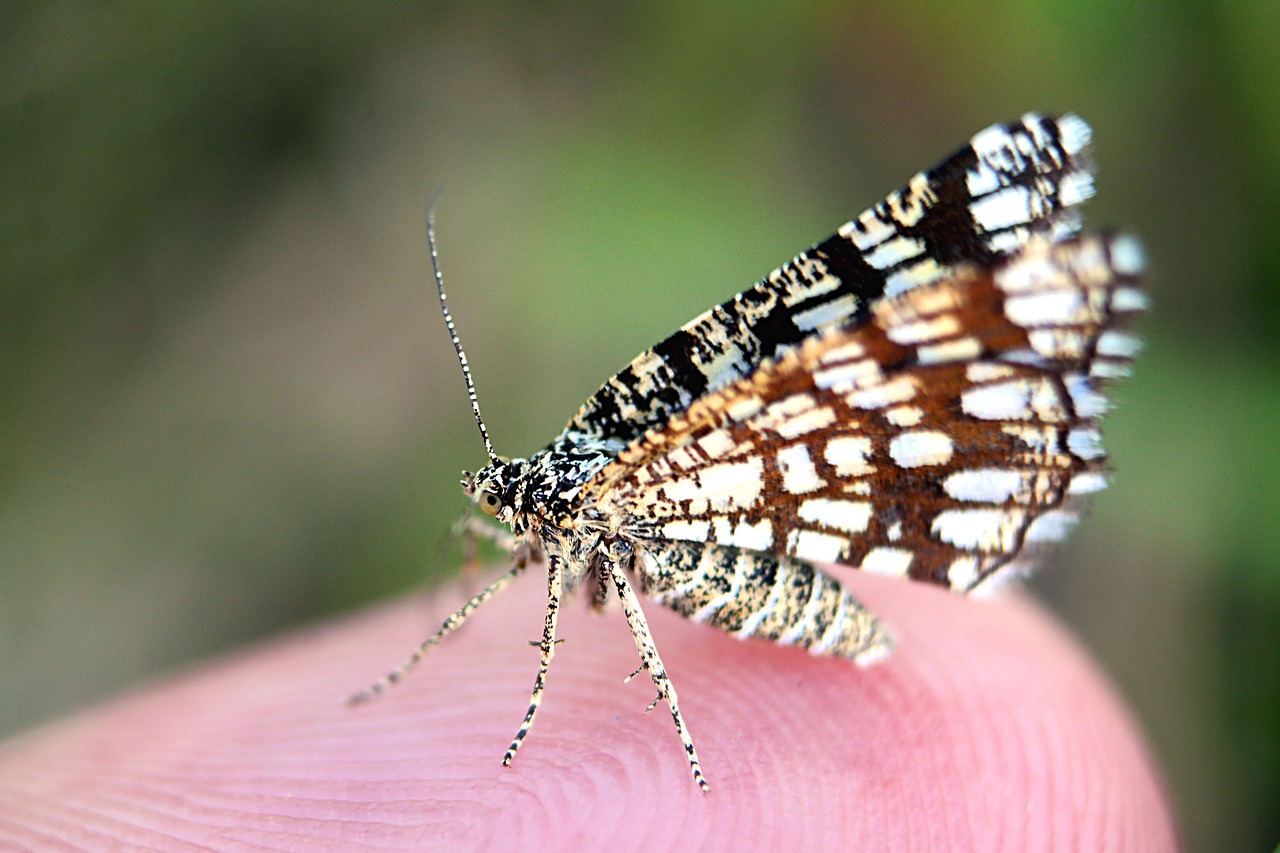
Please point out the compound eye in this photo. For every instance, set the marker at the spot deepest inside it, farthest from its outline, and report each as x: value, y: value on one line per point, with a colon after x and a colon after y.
x: 489, y: 503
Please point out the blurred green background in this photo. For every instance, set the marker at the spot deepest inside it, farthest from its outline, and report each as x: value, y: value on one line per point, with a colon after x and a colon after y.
x: 228, y: 404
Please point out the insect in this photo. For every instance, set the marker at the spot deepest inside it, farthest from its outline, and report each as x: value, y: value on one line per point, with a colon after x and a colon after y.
x: 917, y: 395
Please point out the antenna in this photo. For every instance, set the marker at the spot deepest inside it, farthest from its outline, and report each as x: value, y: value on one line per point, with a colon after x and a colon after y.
x: 448, y: 321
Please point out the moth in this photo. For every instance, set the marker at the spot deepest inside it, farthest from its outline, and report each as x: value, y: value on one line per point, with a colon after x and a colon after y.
x: 918, y: 395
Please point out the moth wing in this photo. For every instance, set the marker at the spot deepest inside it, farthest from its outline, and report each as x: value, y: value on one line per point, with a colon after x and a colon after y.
x: 1010, y: 183
x: 946, y: 439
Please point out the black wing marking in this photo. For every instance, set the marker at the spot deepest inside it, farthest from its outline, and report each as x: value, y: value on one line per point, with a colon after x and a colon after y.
x: 985, y: 201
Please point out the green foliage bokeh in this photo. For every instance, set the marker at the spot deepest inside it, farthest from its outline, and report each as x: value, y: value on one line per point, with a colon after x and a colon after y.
x: 229, y: 405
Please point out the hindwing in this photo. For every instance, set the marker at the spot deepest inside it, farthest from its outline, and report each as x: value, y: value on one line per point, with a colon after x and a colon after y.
x: 944, y: 438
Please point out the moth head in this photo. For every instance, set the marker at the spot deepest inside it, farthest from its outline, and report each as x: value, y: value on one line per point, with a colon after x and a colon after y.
x: 494, y: 487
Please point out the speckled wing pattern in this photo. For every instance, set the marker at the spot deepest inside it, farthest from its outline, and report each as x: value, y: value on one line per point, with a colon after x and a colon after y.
x: 984, y: 202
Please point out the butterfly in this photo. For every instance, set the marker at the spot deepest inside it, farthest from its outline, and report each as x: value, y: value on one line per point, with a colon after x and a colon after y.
x: 917, y: 395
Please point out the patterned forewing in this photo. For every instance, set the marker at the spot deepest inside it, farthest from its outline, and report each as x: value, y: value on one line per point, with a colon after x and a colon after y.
x: 945, y: 439
x: 984, y: 202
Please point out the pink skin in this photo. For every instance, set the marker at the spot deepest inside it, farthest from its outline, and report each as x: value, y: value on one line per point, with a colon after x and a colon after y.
x: 987, y: 730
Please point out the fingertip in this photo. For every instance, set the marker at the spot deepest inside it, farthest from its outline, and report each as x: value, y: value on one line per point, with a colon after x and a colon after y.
x: 986, y: 729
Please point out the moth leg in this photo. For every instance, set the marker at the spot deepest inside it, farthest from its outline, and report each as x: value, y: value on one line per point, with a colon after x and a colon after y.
x: 468, y: 529
x: 635, y: 672
x: 548, y: 649
x: 472, y: 527
x: 450, y: 625
x: 653, y: 662
x: 602, y: 591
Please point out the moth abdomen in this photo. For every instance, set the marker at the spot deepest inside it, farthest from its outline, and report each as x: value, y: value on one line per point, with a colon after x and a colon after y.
x: 754, y: 594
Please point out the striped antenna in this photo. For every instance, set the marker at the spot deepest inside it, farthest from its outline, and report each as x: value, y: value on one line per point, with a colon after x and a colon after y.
x: 453, y: 333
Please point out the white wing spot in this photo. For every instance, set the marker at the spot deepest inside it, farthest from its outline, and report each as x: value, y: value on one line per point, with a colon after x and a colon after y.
x: 732, y: 484
x: 961, y: 349
x: 1109, y: 370
x: 921, y: 272
x: 826, y: 314
x: 987, y: 371
x: 1038, y: 439
x: 1086, y: 443
x: 851, y: 373
x: 920, y: 448
x: 694, y: 531
x: 716, y: 444
x: 1074, y: 132
x: 849, y: 516
x: 924, y: 330
x: 904, y: 416
x: 982, y: 180
x: 1075, y: 188
x: 1005, y: 209
x: 820, y: 282
x: 1118, y: 344
x: 805, y: 423
x: 962, y: 573
x: 1087, y: 400
x: 1006, y: 401
x: 1052, y: 307
x: 743, y: 407
x: 843, y: 352
x: 1129, y: 299
x: 866, y: 231
x: 984, y: 485
x: 893, y: 562
x: 1127, y: 257
x: 799, y: 476
x: 756, y: 537
x: 849, y: 455
x: 818, y: 546
x: 899, y: 390
x: 892, y: 252
x: 988, y: 530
